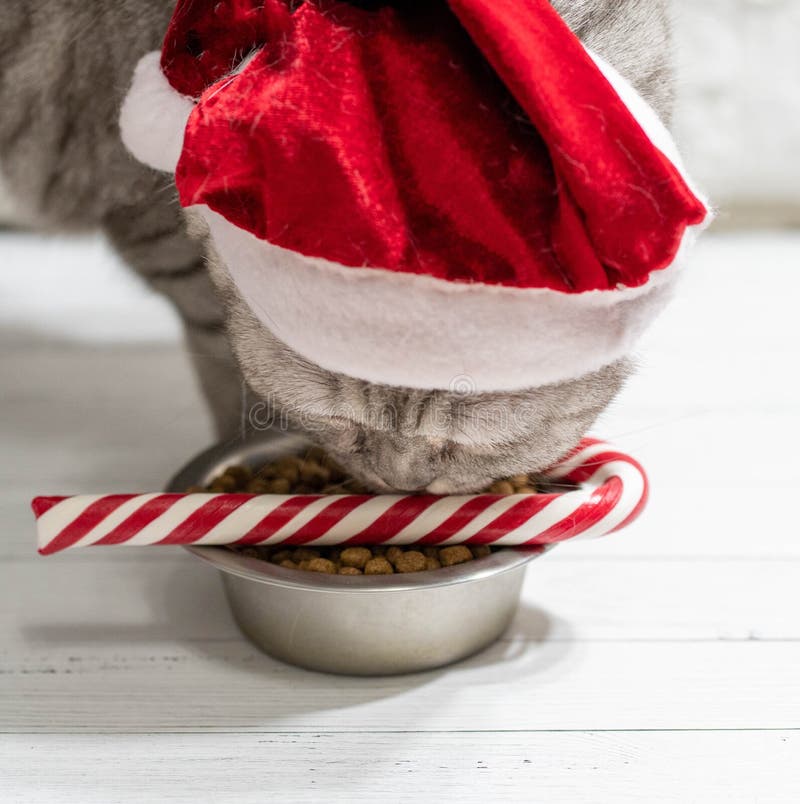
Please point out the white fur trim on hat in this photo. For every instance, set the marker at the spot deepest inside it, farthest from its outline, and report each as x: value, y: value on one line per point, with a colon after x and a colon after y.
x: 153, y: 116
x: 421, y: 332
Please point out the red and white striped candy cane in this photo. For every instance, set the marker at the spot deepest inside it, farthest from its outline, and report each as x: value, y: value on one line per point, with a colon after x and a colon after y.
x: 611, y: 492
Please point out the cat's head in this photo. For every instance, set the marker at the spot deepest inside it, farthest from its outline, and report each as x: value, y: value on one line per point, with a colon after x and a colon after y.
x: 443, y: 441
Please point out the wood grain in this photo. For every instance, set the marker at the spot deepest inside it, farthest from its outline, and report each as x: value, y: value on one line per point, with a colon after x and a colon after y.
x: 708, y: 767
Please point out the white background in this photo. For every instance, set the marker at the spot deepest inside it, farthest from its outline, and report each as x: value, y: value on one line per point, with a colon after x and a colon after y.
x: 738, y: 115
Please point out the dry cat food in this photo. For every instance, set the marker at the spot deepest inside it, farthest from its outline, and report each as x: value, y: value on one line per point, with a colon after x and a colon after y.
x: 377, y: 560
x: 316, y: 473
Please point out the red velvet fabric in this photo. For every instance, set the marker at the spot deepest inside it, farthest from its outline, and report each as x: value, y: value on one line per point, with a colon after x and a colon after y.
x: 472, y: 140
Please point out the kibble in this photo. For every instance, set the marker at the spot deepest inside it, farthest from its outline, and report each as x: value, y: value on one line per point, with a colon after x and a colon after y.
x: 503, y: 487
x: 281, y: 556
x: 378, y: 566
x: 322, y: 565
x: 410, y: 561
x: 305, y: 554
x: 224, y: 484
x: 355, y: 557
x: 455, y: 554
x: 382, y: 560
x: 316, y: 473
x: 258, y: 485
x: 280, y: 485
x: 288, y: 469
x: 241, y: 474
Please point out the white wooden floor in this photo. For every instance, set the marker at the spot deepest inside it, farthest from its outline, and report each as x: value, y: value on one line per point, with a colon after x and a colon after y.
x: 659, y: 665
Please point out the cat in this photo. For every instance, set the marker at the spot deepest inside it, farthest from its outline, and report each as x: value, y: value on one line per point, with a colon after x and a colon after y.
x: 65, y: 66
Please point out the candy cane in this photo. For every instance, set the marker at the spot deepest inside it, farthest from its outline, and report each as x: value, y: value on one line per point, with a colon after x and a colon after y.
x: 611, y: 492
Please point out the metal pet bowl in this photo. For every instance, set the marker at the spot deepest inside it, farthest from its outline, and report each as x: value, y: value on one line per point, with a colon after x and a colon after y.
x: 358, y: 625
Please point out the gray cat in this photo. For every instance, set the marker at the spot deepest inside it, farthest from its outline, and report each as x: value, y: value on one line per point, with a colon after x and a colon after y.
x: 65, y: 66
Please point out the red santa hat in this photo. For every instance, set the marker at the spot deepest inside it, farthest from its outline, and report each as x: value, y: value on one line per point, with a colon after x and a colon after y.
x: 415, y: 192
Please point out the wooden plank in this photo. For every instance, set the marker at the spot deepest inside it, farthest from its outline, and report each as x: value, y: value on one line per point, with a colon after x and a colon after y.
x: 549, y: 768
x: 54, y: 602
x: 130, y: 685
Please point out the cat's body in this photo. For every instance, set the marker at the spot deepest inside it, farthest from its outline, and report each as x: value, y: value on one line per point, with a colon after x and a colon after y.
x: 65, y: 66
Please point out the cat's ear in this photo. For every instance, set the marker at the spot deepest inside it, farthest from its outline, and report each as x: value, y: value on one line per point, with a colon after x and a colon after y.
x: 154, y: 116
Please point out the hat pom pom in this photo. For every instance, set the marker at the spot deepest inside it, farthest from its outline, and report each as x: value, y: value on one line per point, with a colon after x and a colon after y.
x: 154, y: 116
